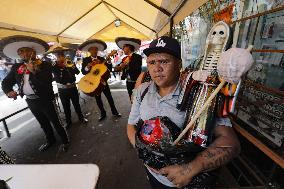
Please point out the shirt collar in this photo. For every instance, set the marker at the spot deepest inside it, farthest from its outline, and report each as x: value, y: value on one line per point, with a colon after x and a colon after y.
x: 130, y: 54
x: 94, y: 57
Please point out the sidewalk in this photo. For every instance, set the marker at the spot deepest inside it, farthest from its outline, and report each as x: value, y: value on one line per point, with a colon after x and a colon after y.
x: 103, y: 143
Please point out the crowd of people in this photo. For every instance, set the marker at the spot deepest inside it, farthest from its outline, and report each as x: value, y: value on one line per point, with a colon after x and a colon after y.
x: 154, y: 121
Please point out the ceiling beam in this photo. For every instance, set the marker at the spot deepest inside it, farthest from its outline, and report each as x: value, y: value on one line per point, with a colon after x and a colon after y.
x: 100, y: 30
x: 79, y: 18
x: 130, y: 16
x: 136, y: 29
x: 109, y: 9
x: 159, y: 8
x: 113, y: 23
x: 178, y: 8
x: 107, y: 5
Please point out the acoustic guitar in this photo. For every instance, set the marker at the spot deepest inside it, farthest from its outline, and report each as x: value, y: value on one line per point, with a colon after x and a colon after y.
x: 94, y: 82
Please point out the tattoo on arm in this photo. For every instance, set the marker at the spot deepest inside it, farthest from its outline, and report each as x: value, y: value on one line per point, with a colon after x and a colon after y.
x: 187, y: 169
x: 217, y: 157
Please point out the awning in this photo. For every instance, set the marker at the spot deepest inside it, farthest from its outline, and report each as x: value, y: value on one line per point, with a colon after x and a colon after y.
x: 74, y: 21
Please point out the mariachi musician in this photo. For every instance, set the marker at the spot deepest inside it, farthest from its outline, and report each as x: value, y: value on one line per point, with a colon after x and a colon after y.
x: 131, y: 65
x: 64, y: 72
x: 34, y: 79
x: 93, y: 46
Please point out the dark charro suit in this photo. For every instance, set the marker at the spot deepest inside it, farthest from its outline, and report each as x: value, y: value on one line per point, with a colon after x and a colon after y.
x: 41, y: 82
x: 65, y: 79
x: 42, y: 105
x: 132, y: 72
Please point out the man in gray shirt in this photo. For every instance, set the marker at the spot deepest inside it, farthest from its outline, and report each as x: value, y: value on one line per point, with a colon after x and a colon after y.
x: 159, y: 98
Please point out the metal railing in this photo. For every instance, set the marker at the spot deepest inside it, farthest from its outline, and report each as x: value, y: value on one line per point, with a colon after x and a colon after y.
x: 5, y: 123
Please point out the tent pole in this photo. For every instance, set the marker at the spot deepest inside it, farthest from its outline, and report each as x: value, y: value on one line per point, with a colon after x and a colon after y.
x: 159, y: 8
x: 110, y: 10
x: 74, y: 22
x: 129, y: 16
x: 100, y: 30
x: 173, y: 14
x: 171, y: 27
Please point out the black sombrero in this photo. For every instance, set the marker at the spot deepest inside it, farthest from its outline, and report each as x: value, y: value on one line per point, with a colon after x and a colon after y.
x: 93, y: 43
x: 121, y: 41
x: 10, y: 45
x: 59, y: 49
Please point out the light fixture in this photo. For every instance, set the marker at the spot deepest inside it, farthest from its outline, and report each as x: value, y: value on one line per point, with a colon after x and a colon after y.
x: 117, y: 22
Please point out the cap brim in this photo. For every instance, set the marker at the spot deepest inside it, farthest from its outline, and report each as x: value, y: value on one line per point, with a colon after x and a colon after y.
x: 149, y: 51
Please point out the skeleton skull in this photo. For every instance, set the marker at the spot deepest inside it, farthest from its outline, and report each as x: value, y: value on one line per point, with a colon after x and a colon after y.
x: 216, y: 43
x: 218, y: 35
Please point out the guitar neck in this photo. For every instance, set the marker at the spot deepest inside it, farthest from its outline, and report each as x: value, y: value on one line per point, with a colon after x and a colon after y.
x: 107, y: 59
x: 111, y: 54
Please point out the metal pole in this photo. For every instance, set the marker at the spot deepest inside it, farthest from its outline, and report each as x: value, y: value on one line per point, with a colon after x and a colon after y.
x: 171, y: 26
x: 159, y: 8
x: 6, y: 128
x: 173, y: 14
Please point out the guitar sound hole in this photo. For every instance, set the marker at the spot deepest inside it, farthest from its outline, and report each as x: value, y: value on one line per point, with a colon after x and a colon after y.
x: 96, y: 72
x: 91, y: 83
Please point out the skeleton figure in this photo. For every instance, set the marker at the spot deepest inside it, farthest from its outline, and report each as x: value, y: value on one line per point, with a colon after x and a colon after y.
x: 199, y: 84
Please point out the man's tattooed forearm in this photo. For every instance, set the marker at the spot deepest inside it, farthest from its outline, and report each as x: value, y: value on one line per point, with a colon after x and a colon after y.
x: 217, y: 157
x: 209, y: 154
x: 186, y: 169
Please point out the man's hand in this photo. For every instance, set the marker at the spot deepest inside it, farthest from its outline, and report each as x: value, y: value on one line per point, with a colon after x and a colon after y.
x: 89, y: 65
x: 131, y: 134
x: 94, y: 62
x: 179, y: 175
x: 12, y: 94
x: 31, y: 67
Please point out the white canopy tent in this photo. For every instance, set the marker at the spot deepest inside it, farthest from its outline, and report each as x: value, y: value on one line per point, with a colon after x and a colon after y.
x: 74, y: 21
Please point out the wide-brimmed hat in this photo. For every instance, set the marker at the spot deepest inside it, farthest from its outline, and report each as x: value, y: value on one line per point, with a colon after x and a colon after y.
x: 59, y: 49
x: 101, y: 45
x: 10, y: 45
x: 121, y: 41
x: 164, y: 44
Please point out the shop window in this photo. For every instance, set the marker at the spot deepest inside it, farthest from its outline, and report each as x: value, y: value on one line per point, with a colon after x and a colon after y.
x: 260, y: 103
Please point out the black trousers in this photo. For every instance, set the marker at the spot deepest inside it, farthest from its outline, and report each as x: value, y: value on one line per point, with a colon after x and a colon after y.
x: 108, y: 95
x: 114, y: 75
x: 44, y: 111
x: 201, y: 181
x: 130, y: 86
x: 67, y: 95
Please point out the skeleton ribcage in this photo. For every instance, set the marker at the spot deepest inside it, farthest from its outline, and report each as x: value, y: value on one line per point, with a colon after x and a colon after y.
x: 211, y: 61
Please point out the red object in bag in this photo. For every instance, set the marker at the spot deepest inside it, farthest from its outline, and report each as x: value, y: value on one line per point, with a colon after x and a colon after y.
x: 151, y: 131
